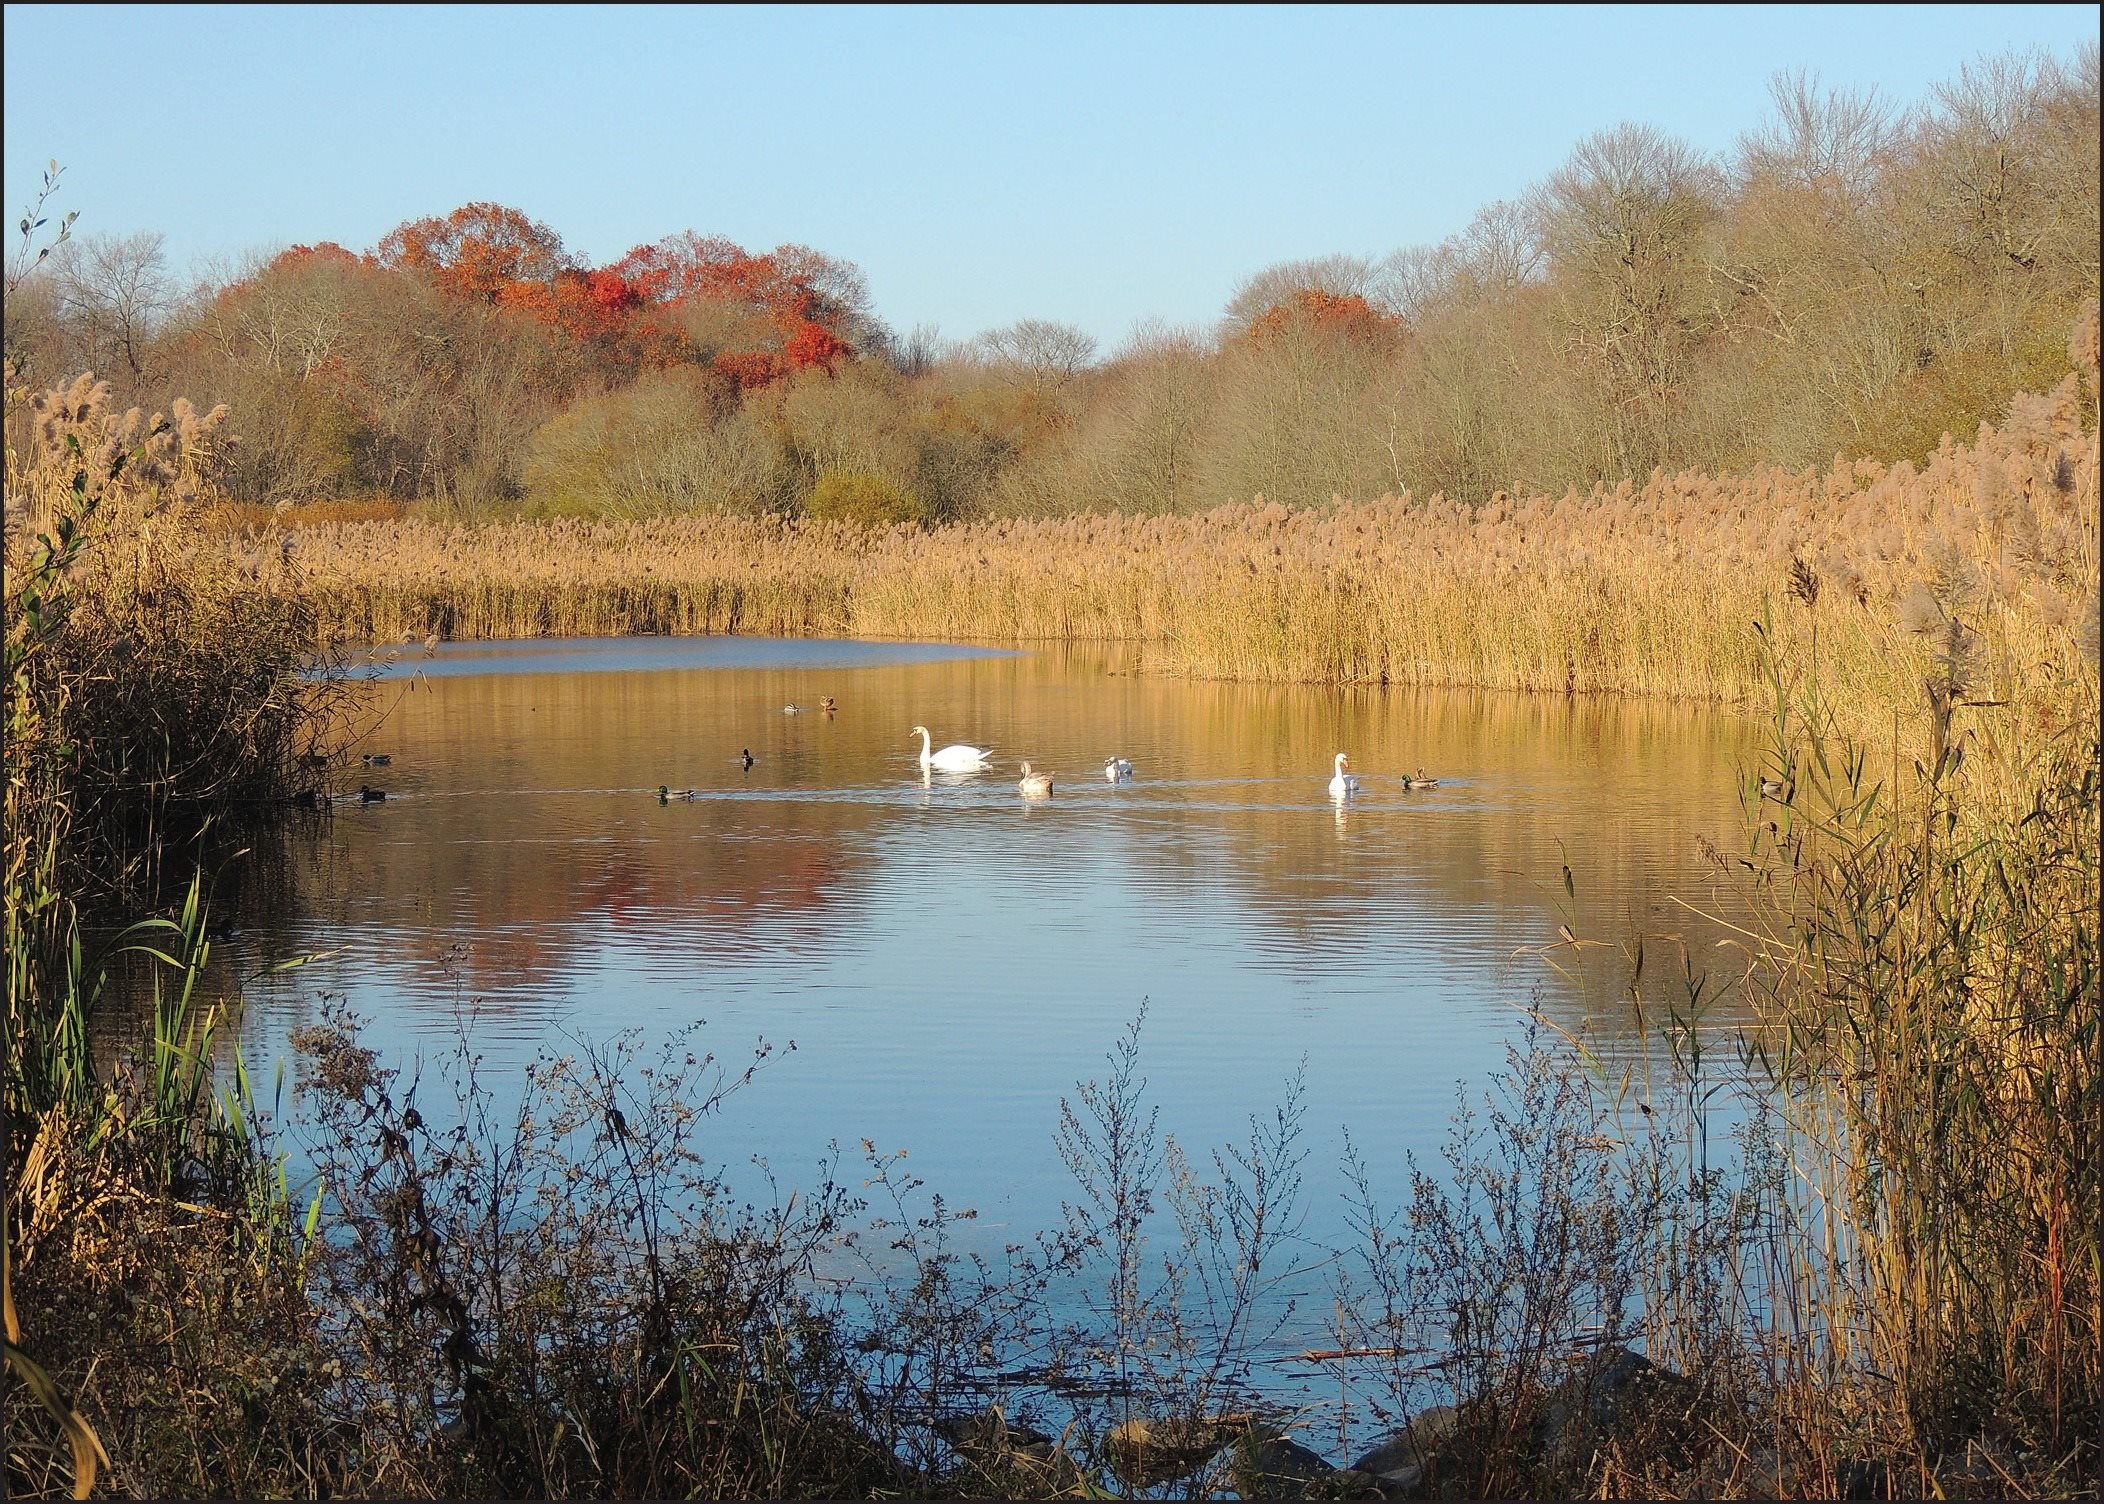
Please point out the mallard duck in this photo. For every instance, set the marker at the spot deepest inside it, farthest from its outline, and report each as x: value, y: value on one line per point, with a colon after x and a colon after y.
x: 1343, y: 785
x: 378, y: 759
x: 367, y: 794
x: 953, y: 759
x: 1117, y: 768
x: 1035, y: 783
x: 1419, y: 781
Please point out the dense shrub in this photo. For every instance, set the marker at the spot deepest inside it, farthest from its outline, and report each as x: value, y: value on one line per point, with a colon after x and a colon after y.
x: 864, y: 497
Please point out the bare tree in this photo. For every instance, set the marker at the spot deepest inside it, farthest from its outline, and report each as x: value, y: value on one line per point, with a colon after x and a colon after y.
x: 1623, y: 222
x: 114, y: 292
x: 1042, y: 352
x: 1498, y: 254
x: 1829, y: 144
x: 917, y: 353
x: 1139, y: 449
x: 2066, y: 145
x: 1501, y: 251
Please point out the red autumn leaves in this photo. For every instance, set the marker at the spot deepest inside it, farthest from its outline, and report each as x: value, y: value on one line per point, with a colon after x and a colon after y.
x: 631, y: 309
x: 1347, y: 315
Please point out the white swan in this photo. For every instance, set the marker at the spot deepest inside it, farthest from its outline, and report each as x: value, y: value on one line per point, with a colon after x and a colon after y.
x: 1117, y: 768
x: 1343, y: 785
x: 957, y: 759
x: 1035, y: 783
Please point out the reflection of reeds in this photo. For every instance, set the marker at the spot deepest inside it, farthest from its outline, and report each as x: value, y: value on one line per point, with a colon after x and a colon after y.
x: 1647, y: 589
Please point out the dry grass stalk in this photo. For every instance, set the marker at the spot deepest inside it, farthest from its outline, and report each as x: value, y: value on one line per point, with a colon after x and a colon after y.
x: 1647, y: 590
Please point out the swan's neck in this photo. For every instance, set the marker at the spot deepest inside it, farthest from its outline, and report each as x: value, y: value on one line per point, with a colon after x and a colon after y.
x: 926, y: 756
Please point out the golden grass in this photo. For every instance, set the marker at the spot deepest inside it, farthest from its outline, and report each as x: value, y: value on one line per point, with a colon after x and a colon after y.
x: 1930, y: 948
x: 155, y: 675
x: 1648, y: 590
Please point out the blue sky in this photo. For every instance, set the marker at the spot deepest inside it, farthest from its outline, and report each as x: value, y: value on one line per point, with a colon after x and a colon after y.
x: 1092, y: 166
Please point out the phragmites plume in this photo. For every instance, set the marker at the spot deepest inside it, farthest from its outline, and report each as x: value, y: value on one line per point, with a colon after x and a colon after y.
x: 64, y: 407
x: 2082, y: 340
x: 1990, y: 484
x: 1951, y: 572
x: 2022, y: 542
x: 2051, y: 605
x: 79, y: 445
x: 1804, y: 581
x: 1919, y: 612
x: 1839, y: 568
x: 1957, y: 649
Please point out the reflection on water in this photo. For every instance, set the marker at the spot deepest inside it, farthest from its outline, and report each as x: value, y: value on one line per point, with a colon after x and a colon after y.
x: 950, y: 957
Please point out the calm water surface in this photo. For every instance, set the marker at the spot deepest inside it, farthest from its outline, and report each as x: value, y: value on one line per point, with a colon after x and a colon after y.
x: 949, y: 958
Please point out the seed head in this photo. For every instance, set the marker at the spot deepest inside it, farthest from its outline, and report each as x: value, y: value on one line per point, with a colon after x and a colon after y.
x: 1918, y: 611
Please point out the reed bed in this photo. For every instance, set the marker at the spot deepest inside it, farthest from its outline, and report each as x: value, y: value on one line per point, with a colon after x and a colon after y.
x: 155, y: 697
x: 156, y: 678
x: 1892, y: 1290
x: 1648, y: 589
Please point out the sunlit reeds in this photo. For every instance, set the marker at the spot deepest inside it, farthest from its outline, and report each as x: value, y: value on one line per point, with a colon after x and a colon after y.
x: 153, y: 692
x: 1646, y: 590
x: 1902, y: 1296
x: 156, y: 677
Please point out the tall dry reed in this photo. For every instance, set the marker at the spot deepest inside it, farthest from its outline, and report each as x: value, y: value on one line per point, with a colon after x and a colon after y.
x: 1649, y: 590
x: 160, y: 681
x: 152, y: 692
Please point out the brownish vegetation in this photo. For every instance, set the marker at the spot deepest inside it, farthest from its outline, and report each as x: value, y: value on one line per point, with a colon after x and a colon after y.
x: 1650, y: 589
x: 1854, y: 277
x: 1890, y: 1287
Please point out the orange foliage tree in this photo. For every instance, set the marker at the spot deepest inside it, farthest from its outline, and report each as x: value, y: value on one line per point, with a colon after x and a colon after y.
x: 1347, y: 315
x: 808, y: 297
x: 493, y: 254
x: 477, y: 251
x: 323, y: 253
x: 591, y: 307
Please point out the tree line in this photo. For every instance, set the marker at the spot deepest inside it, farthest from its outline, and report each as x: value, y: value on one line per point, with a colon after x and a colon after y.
x: 1854, y: 277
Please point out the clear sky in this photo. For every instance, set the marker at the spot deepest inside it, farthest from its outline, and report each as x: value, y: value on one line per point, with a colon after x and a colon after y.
x: 1095, y: 166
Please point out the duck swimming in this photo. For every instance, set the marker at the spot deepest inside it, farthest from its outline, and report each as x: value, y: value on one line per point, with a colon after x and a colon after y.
x: 1419, y: 781
x: 745, y: 756
x: 367, y: 794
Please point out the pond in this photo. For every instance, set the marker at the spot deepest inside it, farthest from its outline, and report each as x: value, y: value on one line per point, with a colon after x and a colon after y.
x: 951, y: 958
